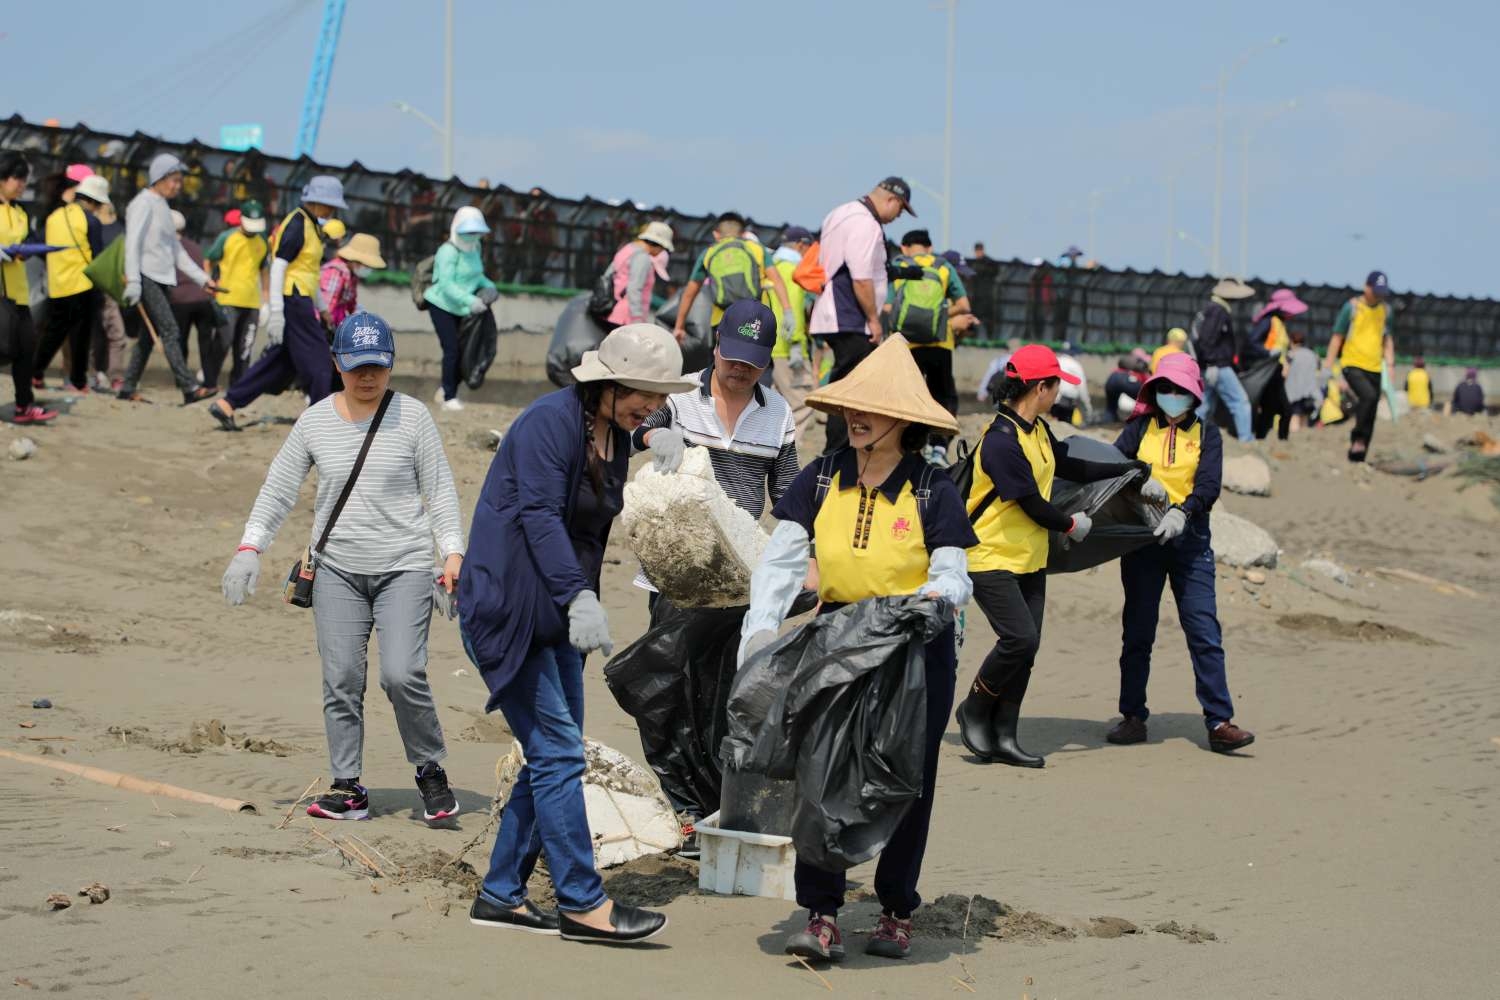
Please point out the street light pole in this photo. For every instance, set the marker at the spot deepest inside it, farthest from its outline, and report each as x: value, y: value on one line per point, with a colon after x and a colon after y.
x: 947, y: 129
x: 1223, y: 84
x: 448, y: 91
x: 1245, y: 182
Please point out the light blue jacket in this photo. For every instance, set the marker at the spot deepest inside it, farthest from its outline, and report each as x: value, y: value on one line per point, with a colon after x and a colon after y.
x: 456, y: 276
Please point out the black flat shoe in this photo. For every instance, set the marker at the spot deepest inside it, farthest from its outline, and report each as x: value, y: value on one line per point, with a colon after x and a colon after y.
x: 533, y: 920
x: 631, y: 925
x: 975, y: 730
x: 225, y: 420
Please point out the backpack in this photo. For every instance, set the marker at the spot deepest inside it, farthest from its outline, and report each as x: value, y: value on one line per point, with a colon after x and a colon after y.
x: 962, y: 474
x: 919, y: 307
x: 922, y: 493
x: 421, y: 280
x: 734, y: 270
x: 809, y: 272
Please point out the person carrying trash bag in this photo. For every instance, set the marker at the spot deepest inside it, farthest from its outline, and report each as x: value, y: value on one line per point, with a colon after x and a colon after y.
x: 886, y: 523
x: 529, y: 613
x: 459, y: 289
x: 1010, y: 507
x: 1187, y: 460
x: 385, y: 493
x: 294, y: 331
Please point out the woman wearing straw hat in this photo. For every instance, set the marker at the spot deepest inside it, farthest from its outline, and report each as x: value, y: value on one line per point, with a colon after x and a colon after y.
x: 1187, y: 459
x: 1010, y: 507
x: 877, y: 536
x: 529, y: 610
x: 339, y: 279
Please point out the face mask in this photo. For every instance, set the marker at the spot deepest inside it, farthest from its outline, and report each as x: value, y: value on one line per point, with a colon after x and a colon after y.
x: 322, y: 221
x: 466, y: 242
x: 360, y: 270
x: 1173, y: 405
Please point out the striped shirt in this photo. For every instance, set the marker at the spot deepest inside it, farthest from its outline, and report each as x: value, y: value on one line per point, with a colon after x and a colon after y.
x: 404, y: 496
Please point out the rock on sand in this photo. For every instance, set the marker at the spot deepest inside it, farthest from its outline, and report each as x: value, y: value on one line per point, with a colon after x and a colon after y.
x: 1327, y: 568
x: 1248, y: 474
x: 1239, y: 543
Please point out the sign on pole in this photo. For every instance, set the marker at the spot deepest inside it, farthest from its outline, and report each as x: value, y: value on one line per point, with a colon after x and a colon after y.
x: 239, y: 138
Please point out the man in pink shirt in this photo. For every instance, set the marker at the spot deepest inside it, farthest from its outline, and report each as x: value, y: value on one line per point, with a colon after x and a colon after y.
x: 851, y: 251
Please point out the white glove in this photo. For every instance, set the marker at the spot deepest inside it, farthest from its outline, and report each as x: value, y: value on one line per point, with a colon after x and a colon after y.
x: 132, y: 293
x: 488, y: 295
x: 275, y: 326
x: 588, y: 628
x: 757, y: 642
x: 1082, y: 525
x: 1153, y: 492
x: 1172, y: 525
x: 667, y: 446
x: 798, y: 358
x: 264, y: 316
x: 444, y: 604
x: 477, y: 306
x: 5, y: 258
x: 241, y: 576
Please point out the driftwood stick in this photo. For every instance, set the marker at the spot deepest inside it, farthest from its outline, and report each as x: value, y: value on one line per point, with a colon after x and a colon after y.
x: 305, y: 793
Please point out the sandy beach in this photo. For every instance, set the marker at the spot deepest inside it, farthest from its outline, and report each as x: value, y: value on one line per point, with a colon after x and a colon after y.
x: 1351, y: 852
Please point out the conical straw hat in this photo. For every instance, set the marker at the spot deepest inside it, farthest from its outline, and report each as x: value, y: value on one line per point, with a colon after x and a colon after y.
x: 889, y: 383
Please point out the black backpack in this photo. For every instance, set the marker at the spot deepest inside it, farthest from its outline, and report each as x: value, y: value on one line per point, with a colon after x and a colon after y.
x: 962, y: 474
x: 923, y: 492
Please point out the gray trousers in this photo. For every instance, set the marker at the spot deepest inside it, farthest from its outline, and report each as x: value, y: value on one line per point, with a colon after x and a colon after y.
x: 399, y: 608
x: 159, y: 309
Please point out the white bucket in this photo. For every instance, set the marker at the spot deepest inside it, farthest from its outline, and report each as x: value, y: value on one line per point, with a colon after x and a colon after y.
x: 736, y: 863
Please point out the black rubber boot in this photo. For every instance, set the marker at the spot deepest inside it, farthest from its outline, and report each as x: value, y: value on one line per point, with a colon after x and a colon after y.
x: 975, y: 726
x: 1006, y: 750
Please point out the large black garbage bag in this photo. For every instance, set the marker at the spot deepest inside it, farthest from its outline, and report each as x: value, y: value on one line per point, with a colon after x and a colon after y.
x: 477, y: 342
x: 840, y: 705
x: 1254, y: 379
x: 575, y: 333
x: 1123, y: 522
x: 698, y: 344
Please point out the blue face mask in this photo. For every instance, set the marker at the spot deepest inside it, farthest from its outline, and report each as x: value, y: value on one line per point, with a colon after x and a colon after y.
x: 1173, y: 405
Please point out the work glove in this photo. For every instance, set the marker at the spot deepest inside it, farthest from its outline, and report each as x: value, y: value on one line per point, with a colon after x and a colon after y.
x: 1082, y: 525
x: 444, y: 604
x: 488, y: 295
x: 477, y: 306
x: 264, y: 316
x: 798, y: 358
x: 1172, y: 525
x: 241, y: 576
x: 1153, y: 492
x: 588, y: 628
x: 275, y: 327
x: 757, y: 642
x: 5, y: 258
x: 132, y: 293
x: 667, y: 446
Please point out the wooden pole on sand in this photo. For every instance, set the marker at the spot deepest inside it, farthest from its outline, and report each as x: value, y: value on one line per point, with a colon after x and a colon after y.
x: 131, y: 783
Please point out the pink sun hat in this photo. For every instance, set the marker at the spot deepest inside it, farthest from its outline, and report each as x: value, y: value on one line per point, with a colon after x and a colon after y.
x: 1180, y: 370
x: 78, y: 171
x: 1284, y: 301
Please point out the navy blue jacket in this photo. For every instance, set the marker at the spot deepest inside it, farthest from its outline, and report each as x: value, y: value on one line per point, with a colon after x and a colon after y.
x: 1208, y: 480
x: 520, y: 572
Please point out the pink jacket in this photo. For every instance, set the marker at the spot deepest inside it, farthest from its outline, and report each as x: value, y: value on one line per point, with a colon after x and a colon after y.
x: 340, y: 289
x: 632, y: 305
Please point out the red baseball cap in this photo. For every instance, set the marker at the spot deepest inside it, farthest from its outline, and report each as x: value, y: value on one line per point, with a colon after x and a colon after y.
x: 1035, y: 362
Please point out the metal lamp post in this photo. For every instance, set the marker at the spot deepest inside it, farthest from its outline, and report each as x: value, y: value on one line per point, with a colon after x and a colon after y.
x: 1250, y: 131
x: 1223, y: 84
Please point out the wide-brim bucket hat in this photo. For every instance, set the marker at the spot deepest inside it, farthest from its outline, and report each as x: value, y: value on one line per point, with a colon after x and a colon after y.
x: 1284, y: 301
x: 324, y: 190
x: 659, y: 233
x: 1233, y: 288
x: 1175, y: 369
x: 363, y: 248
x: 95, y: 188
x: 640, y: 356
x: 887, y: 382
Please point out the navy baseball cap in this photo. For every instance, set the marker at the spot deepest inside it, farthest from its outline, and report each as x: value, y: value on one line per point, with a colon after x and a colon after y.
x: 747, y: 333
x: 1378, y: 284
x: 364, y: 339
x: 902, y: 190
x: 796, y: 234
x: 957, y: 260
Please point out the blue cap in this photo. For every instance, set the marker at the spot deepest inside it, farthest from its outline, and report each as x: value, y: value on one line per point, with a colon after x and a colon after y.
x: 1378, y: 284
x: 957, y: 260
x: 747, y: 333
x: 796, y: 234
x: 364, y: 339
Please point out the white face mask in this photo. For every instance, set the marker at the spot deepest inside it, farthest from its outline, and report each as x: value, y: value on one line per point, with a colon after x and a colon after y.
x: 360, y: 270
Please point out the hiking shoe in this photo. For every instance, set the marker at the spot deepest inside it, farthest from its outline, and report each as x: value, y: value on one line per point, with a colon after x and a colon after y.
x: 892, y: 938
x: 821, y: 940
x: 34, y: 414
x: 347, y: 799
x: 198, y: 395
x: 689, y: 851
x: 438, y: 800
x: 1226, y: 737
x: 1129, y: 730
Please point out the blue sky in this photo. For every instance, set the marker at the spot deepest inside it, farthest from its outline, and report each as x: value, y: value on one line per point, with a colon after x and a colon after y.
x: 781, y: 109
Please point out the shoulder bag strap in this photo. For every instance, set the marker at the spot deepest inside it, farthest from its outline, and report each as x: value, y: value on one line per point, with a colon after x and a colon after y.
x: 359, y: 463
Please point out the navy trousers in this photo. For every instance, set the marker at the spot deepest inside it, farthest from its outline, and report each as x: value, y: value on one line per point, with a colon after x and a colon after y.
x: 303, y: 352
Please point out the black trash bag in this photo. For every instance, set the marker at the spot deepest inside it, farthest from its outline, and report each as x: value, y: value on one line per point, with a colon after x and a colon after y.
x: 698, y: 344
x: 576, y: 332
x: 477, y: 342
x: 1254, y: 380
x: 841, y: 706
x: 1123, y: 522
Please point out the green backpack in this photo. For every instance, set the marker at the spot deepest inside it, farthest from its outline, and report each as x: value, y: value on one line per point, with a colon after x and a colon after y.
x: 107, y: 270
x: 735, y: 272
x: 919, y: 309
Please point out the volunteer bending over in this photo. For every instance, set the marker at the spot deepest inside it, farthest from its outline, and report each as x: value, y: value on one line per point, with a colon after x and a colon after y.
x: 876, y: 537
x: 1187, y: 459
x: 530, y: 613
x: 1010, y: 507
x: 376, y: 569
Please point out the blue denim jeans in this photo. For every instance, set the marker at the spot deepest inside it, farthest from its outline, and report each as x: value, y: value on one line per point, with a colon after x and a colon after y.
x: 1223, y: 384
x: 543, y: 706
x: 1188, y: 562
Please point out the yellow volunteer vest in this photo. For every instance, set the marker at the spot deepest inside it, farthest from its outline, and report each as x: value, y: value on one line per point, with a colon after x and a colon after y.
x: 1418, y: 389
x: 302, y: 273
x: 1365, y: 342
x: 13, y: 228
x: 1173, y: 453
x: 797, y: 296
x: 1277, y: 339
x: 868, y: 546
x: 239, y: 270
x: 68, y: 227
x: 1008, y: 538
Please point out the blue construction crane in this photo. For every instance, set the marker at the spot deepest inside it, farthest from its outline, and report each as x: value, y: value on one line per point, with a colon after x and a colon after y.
x: 318, y: 78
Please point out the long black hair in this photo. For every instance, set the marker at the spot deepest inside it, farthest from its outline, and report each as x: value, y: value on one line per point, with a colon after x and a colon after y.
x: 590, y: 395
x: 1007, y: 389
